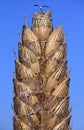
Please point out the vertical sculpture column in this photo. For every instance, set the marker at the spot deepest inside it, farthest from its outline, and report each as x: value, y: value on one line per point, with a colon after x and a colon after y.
x: 41, y: 84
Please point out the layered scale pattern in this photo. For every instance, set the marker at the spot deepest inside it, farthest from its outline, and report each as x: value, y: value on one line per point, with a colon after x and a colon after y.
x: 41, y: 84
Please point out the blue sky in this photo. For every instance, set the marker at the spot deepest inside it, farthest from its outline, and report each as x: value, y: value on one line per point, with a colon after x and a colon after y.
x: 68, y: 13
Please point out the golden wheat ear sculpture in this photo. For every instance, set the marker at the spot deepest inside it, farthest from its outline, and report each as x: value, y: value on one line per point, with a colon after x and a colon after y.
x: 41, y: 84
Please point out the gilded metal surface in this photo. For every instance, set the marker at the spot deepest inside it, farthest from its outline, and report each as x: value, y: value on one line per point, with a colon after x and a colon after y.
x: 42, y: 19
x: 42, y: 25
x: 41, y: 83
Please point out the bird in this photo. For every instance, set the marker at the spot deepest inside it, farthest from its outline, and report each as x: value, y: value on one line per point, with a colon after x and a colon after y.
x: 41, y: 7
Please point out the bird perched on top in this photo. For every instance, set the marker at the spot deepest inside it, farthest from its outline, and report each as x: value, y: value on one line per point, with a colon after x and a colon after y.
x: 41, y: 7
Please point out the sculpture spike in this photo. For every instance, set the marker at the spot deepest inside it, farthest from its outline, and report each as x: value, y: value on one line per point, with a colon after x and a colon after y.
x: 14, y: 52
x: 20, y: 35
x: 65, y: 37
x: 25, y: 20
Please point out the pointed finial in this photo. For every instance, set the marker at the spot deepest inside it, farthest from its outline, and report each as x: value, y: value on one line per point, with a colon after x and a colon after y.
x: 70, y: 109
x: 65, y: 37
x: 25, y: 20
x: 14, y: 52
x: 41, y: 7
x: 12, y: 106
x: 68, y: 72
x: 19, y: 33
x: 14, y: 74
x: 13, y: 91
